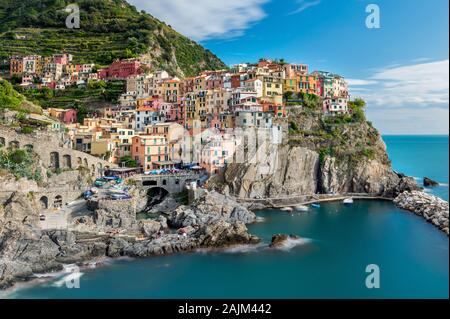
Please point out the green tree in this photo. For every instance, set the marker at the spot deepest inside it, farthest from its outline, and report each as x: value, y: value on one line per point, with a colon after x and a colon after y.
x: 129, y: 161
x: 357, y: 108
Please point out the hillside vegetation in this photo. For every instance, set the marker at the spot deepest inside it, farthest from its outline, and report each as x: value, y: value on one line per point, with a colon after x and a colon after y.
x: 11, y: 99
x: 109, y: 30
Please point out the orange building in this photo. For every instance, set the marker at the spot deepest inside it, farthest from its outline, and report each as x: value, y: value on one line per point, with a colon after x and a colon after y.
x: 151, y: 152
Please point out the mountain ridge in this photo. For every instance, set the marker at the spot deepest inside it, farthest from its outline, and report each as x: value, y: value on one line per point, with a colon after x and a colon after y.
x: 109, y: 30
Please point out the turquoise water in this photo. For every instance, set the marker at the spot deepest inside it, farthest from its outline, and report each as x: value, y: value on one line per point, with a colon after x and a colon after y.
x: 421, y: 156
x: 338, y: 243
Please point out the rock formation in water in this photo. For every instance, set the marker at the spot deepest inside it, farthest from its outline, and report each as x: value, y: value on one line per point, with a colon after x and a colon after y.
x: 428, y: 182
x: 280, y: 239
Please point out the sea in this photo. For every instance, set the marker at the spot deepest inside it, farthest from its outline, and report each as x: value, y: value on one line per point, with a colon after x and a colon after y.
x: 368, y: 250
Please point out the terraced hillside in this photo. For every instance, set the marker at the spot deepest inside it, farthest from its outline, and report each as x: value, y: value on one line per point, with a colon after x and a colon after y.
x: 109, y: 30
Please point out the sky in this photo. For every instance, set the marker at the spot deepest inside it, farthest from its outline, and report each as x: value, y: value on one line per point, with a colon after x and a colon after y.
x: 401, y: 68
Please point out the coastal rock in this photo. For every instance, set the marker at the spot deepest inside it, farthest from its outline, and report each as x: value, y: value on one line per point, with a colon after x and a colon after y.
x: 280, y: 239
x: 432, y: 208
x: 223, y: 233
x: 111, y: 214
x: 281, y: 171
x: 355, y: 161
x: 210, y: 207
x: 149, y: 227
x: 428, y: 182
x: 117, y: 247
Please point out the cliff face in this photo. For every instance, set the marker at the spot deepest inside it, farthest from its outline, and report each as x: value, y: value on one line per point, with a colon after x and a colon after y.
x: 320, y: 156
x: 283, y: 170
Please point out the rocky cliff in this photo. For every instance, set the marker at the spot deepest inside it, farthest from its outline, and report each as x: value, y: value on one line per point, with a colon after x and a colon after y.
x: 112, y: 231
x: 320, y: 155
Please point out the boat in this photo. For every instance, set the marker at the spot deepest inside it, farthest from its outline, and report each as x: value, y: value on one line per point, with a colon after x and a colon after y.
x: 287, y: 209
x: 301, y: 208
x: 315, y: 205
x: 348, y: 201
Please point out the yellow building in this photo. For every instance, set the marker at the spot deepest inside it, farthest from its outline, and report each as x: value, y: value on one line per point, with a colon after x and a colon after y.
x: 122, y: 140
x: 272, y: 86
x: 290, y: 85
x: 171, y: 90
x: 200, y: 83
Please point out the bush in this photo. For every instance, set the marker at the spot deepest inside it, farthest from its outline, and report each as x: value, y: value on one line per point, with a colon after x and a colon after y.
x: 20, y: 163
x: 129, y: 162
x: 27, y: 130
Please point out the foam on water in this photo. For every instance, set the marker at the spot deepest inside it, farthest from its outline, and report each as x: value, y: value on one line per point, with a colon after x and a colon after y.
x: 291, y: 243
x: 242, y: 249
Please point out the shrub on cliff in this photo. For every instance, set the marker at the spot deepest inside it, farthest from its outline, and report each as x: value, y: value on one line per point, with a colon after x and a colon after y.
x: 357, y: 109
x: 9, y: 98
x: 20, y: 163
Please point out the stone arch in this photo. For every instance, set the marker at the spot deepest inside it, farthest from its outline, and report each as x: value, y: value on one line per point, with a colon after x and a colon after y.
x: 85, y: 162
x: 67, y: 161
x: 43, y: 201
x: 54, y: 160
x: 79, y: 161
x: 2, y: 141
x: 150, y: 183
x: 29, y: 147
x: 58, y: 202
x: 14, y: 144
x: 93, y: 169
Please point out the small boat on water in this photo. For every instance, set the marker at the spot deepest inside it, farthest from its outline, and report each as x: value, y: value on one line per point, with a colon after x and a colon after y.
x: 287, y: 209
x: 301, y: 208
x: 348, y: 201
x: 315, y: 205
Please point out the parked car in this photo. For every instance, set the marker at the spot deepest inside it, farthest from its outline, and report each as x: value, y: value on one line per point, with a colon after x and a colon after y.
x: 88, y: 194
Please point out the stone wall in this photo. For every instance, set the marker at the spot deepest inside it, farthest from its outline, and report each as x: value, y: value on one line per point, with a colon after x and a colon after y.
x: 53, y: 153
x: 59, y: 188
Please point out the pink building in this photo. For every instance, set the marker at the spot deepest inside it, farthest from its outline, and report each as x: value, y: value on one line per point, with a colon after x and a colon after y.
x: 214, y: 82
x: 69, y: 116
x: 63, y: 59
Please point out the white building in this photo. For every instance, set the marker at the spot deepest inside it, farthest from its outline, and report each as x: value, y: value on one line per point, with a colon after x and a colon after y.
x: 336, y: 105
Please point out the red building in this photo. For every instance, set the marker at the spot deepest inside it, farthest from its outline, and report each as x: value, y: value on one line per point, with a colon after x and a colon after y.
x: 120, y: 69
x: 235, y: 81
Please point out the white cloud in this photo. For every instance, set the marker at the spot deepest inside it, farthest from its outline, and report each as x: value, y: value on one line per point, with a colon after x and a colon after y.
x: 410, y: 99
x: 409, y: 120
x: 302, y: 5
x: 206, y: 19
x: 358, y: 82
x: 418, y: 84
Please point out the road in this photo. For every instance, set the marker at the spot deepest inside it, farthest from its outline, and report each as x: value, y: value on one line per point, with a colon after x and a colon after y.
x: 60, y: 219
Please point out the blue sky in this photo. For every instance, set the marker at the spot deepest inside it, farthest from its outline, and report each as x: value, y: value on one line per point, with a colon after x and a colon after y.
x: 401, y: 69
